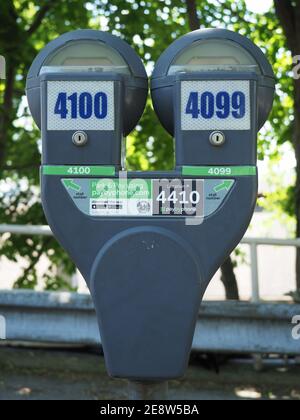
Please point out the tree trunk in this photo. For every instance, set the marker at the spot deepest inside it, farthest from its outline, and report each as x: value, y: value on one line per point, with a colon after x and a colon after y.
x: 227, y: 277
x: 191, y: 9
x: 229, y: 280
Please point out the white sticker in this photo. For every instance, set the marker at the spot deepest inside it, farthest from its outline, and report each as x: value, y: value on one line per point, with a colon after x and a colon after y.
x: 215, y: 105
x: 136, y: 197
x: 73, y: 105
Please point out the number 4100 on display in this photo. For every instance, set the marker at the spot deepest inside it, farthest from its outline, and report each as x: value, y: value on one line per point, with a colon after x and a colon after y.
x: 85, y: 105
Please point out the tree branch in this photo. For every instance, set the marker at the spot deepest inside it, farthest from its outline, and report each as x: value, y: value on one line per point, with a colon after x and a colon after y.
x: 191, y: 8
x: 39, y: 17
x: 286, y: 15
x: 12, y: 11
x: 34, y: 260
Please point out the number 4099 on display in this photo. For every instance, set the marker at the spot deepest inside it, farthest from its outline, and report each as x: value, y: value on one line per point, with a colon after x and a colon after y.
x: 222, y: 105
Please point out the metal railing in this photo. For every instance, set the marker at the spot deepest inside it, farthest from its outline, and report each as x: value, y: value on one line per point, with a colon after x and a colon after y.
x: 62, y: 318
x: 252, y: 242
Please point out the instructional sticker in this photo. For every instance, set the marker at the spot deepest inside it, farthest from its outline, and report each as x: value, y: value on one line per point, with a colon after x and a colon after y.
x: 147, y: 197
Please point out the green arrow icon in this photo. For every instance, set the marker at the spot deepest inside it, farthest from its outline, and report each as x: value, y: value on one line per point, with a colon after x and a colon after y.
x: 71, y: 185
x: 226, y: 185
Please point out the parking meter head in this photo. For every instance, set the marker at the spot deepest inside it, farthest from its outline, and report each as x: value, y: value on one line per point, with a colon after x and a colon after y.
x: 90, y: 52
x: 213, y: 51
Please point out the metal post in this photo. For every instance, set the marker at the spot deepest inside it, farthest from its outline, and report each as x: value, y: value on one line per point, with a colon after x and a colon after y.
x: 147, y: 390
x: 257, y: 358
x: 254, y: 273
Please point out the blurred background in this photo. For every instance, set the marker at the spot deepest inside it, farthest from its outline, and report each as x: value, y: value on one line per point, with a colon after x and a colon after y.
x: 266, y: 266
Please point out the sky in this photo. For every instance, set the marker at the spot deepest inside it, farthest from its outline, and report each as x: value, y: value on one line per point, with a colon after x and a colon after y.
x: 259, y: 6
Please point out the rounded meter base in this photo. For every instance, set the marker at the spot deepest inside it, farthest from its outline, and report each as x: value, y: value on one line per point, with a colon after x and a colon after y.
x: 146, y: 330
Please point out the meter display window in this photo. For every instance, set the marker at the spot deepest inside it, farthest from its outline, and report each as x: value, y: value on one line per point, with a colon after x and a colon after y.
x: 87, y: 56
x: 213, y: 55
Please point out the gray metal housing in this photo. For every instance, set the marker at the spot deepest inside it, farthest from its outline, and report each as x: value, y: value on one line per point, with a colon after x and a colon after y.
x: 193, y: 148
x: 104, y: 149
x: 135, y: 85
x: 147, y: 276
x: 162, y: 84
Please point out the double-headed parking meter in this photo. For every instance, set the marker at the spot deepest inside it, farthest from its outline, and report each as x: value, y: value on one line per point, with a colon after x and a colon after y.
x: 148, y: 243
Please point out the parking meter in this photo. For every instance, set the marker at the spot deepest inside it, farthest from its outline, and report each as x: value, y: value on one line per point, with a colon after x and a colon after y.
x: 148, y: 243
x: 89, y: 80
x: 213, y: 89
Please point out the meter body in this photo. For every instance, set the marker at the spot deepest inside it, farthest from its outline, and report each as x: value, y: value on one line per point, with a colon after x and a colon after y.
x: 148, y: 243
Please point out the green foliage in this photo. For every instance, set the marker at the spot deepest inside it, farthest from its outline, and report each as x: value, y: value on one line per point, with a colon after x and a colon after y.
x: 295, y: 296
x: 22, y: 34
x: 150, y: 26
x: 280, y: 198
x: 239, y: 257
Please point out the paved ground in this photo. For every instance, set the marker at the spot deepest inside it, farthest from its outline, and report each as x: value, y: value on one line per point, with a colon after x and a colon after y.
x: 77, y: 375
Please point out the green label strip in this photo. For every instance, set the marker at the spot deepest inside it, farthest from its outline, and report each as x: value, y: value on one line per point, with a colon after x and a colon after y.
x: 209, y: 171
x: 79, y: 170
x: 219, y: 171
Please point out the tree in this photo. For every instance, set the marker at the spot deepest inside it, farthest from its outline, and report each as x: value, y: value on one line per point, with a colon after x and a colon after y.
x: 25, y: 27
x: 165, y: 23
x: 288, y: 13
